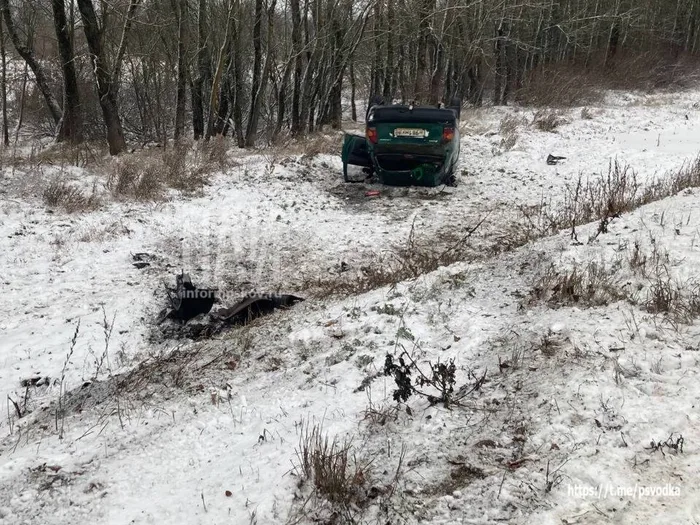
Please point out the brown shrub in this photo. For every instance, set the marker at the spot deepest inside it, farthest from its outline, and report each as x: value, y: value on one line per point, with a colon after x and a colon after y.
x: 416, y: 257
x: 677, y: 301
x: 558, y: 86
x: 580, y: 84
x: 508, y: 128
x: 332, y: 467
x: 145, y: 175
x: 547, y: 120
x: 60, y: 194
x: 589, y: 285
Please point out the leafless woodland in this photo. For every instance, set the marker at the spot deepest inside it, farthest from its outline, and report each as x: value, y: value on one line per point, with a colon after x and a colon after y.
x: 131, y: 72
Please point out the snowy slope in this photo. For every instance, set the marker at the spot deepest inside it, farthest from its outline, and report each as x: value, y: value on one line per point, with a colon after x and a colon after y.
x: 610, y: 379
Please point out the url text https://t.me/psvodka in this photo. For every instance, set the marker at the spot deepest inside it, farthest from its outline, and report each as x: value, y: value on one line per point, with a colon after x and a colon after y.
x: 616, y: 491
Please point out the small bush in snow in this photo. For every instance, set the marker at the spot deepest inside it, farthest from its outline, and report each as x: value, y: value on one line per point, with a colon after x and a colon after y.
x: 144, y: 176
x: 333, y: 468
x: 411, y: 380
x: 646, y: 264
x: 589, y: 285
x: 60, y: 194
x: 678, y: 301
x: 547, y: 120
x: 508, y: 129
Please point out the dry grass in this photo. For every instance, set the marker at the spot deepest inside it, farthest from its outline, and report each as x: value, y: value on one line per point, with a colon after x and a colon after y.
x: 678, y: 301
x: 98, y: 233
x: 60, y: 194
x: 656, y: 69
x: 647, y: 264
x: 604, y: 198
x: 559, y: 86
x: 309, y: 146
x: 332, y: 467
x: 508, y: 128
x: 418, y: 256
x: 590, y: 285
x: 547, y: 120
x: 586, y: 114
x: 146, y: 175
x: 215, y: 152
x: 55, y: 154
x: 578, y: 84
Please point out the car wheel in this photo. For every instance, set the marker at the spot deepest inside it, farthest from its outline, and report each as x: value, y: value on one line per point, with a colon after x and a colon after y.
x: 456, y: 106
x: 375, y: 100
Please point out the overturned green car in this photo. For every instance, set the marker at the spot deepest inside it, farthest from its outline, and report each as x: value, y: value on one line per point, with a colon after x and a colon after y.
x: 405, y: 145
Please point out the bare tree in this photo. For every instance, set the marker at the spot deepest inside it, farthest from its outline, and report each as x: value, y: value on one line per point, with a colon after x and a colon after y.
x: 180, y: 9
x: 26, y: 52
x: 106, y: 79
x: 3, y: 87
x: 71, y: 126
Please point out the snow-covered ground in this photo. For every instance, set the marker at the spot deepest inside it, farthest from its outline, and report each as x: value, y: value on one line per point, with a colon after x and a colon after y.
x: 573, y: 395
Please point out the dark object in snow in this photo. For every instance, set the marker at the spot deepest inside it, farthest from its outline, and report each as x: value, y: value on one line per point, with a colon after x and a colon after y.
x: 188, y: 301
x: 254, y: 306
x: 141, y: 260
x: 190, y: 308
x: 34, y: 381
x: 553, y: 159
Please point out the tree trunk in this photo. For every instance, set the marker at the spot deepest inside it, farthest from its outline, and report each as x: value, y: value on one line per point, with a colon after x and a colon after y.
x: 71, y: 127
x: 282, y: 99
x: 203, y: 72
x: 3, y: 88
x: 298, y: 66
x: 238, y: 88
x: 107, y: 81
x: 256, y: 85
x: 353, y: 89
x: 180, y: 8
x: 499, y: 73
x: 257, y: 76
x: 223, y: 113
x: 388, y: 90
x: 215, y: 96
x: 27, y: 55
x: 22, y: 97
x: 312, y: 51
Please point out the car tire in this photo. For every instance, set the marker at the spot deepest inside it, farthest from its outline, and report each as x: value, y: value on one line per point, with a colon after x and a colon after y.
x: 375, y: 100
x: 456, y: 105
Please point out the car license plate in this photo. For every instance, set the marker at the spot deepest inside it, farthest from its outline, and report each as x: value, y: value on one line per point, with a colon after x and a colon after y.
x: 410, y: 132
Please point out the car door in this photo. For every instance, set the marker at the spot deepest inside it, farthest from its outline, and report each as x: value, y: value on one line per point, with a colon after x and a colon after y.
x: 355, y: 153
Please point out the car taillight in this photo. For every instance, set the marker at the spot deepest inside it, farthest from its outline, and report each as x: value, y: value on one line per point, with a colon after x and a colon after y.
x: 372, y: 135
x: 448, y: 134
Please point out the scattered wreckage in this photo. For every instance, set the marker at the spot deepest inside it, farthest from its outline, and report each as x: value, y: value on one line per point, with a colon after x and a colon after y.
x: 190, y: 311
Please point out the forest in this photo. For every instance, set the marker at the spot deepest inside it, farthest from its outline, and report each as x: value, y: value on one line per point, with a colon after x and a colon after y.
x: 135, y: 72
